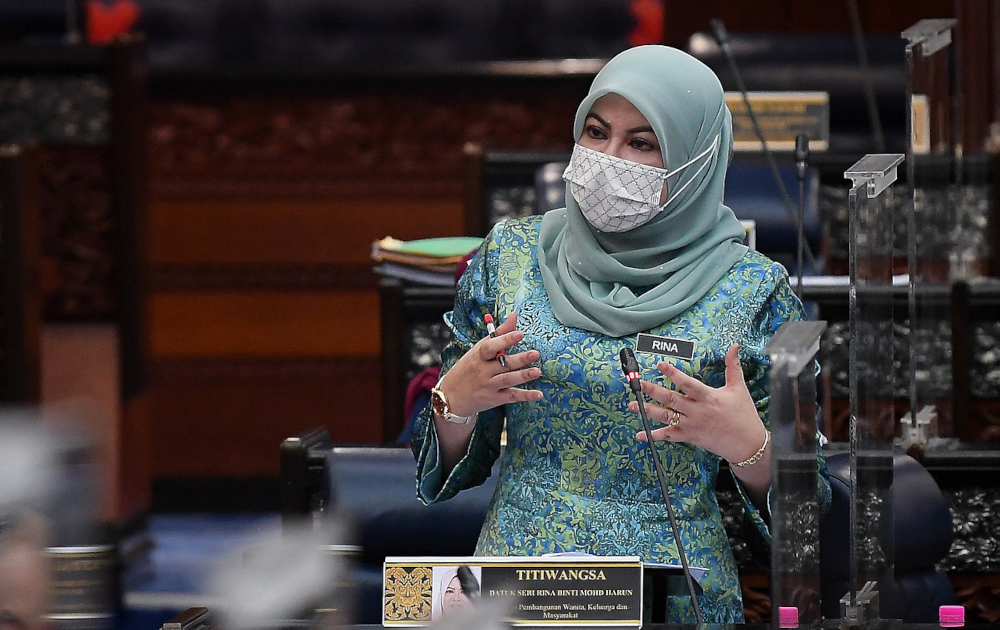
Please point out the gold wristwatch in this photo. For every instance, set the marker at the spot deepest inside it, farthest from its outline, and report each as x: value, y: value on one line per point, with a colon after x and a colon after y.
x: 440, y: 406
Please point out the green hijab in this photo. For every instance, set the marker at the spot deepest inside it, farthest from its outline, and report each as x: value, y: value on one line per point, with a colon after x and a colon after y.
x: 622, y: 283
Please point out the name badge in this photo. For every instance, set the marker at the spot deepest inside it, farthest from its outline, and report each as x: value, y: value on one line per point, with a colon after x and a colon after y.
x: 655, y: 344
x: 559, y: 590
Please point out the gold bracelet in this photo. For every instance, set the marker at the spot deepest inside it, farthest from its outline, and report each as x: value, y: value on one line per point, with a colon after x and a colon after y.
x: 753, y: 459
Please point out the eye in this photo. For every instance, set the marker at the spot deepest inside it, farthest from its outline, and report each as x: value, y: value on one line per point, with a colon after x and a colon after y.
x: 641, y: 144
x: 595, y: 133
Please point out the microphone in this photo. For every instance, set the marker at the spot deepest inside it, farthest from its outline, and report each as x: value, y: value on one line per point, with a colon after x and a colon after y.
x: 720, y: 34
x: 630, y: 367
x: 721, y: 37
x: 801, y: 166
x: 801, y: 155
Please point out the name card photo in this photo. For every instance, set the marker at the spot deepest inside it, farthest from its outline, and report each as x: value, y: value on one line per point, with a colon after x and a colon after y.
x: 550, y: 590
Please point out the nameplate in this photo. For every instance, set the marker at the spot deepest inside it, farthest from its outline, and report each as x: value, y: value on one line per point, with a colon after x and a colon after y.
x: 548, y: 590
x: 83, y: 583
x: 781, y: 116
x: 668, y: 346
x: 920, y: 116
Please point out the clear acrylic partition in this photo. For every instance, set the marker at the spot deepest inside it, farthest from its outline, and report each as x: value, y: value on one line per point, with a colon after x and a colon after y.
x: 871, y: 383
x: 938, y: 243
x: 795, y: 510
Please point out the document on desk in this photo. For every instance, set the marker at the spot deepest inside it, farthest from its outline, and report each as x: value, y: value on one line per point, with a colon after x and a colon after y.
x: 548, y: 590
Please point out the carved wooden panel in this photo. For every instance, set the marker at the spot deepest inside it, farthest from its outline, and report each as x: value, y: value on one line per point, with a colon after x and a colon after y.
x: 55, y: 108
x: 756, y: 587
x: 20, y: 295
x: 282, y: 233
x: 979, y: 594
x: 226, y: 417
x: 986, y: 416
x: 399, y: 140
x: 340, y: 323
x: 77, y: 231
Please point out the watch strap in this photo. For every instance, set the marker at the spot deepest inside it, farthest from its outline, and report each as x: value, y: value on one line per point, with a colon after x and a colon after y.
x: 440, y: 404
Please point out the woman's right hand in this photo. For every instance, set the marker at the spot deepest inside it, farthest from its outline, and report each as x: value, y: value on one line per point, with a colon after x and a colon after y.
x: 478, y: 382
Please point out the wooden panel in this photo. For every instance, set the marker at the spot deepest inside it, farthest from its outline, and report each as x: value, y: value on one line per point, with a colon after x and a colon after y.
x: 399, y: 137
x: 227, y: 418
x: 80, y: 369
x: 300, y: 231
x: 134, y: 492
x: 20, y: 262
x: 265, y: 323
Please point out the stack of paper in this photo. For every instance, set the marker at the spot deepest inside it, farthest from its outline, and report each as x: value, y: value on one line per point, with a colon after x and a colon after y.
x: 428, y: 261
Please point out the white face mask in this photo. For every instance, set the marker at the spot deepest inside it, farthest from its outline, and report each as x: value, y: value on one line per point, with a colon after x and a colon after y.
x: 617, y: 195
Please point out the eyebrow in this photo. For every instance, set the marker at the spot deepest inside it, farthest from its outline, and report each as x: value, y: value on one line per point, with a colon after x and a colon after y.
x: 630, y: 131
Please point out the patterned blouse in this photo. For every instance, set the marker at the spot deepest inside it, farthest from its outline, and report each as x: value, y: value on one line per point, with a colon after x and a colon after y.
x: 572, y: 476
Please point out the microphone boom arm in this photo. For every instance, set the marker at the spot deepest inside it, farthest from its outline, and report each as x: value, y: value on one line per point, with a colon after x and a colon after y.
x: 631, y: 369
x: 722, y: 38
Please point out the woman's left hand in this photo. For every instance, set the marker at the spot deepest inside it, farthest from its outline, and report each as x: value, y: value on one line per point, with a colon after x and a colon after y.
x: 722, y: 420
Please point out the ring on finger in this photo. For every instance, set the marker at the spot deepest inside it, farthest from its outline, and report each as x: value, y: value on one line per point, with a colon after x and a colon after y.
x: 674, y: 418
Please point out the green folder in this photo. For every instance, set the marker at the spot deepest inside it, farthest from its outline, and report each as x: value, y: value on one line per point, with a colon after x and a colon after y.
x: 442, y: 247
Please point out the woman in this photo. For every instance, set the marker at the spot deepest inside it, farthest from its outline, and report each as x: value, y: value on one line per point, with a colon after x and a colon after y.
x: 643, y: 245
x: 457, y: 588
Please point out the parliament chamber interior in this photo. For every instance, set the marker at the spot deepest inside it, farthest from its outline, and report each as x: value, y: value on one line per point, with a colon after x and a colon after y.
x: 213, y: 359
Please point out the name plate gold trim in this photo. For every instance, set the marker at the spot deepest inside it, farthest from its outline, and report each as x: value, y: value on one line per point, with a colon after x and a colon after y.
x: 781, y: 117
x: 601, y: 591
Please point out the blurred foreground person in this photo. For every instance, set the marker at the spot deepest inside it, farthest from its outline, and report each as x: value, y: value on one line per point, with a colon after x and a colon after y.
x: 25, y: 579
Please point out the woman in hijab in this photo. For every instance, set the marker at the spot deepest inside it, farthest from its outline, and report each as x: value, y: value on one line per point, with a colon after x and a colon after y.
x: 457, y: 588
x: 644, y: 245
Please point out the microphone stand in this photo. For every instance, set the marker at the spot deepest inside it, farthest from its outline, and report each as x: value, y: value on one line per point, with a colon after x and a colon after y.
x: 801, y: 166
x: 722, y: 38
x: 631, y: 369
x: 866, y: 73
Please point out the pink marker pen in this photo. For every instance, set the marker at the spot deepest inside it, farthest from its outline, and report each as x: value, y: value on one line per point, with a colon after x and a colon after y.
x: 493, y: 333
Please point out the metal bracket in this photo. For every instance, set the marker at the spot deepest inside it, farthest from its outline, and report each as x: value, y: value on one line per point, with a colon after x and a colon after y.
x: 933, y: 35
x: 915, y: 431
x: 863, y: 610
x: 877, y: 169
x: 795, y: 343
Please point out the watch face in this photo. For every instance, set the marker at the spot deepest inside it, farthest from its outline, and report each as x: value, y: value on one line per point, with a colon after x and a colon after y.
x: 438, y: 404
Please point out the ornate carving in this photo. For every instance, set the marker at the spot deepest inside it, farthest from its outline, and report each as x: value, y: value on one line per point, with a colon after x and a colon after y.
x: 396, y: 135
x: 408, y: 594
x: 979, y: 594
x: 933, y: 338
x: 77, y: 231
x: 985, y: 377
x: 756, y: 597
x: 51, y: 109
x: 951, y: 225
x: 976, y: 546
x: 989, y: 414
